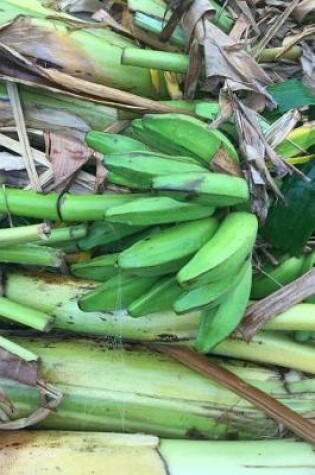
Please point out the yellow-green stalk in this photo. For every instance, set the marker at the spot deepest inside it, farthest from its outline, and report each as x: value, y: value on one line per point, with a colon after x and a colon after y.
x: 116, y: 388
x: 58, y: 296
x: 87, y: 453
x: 92, y: 54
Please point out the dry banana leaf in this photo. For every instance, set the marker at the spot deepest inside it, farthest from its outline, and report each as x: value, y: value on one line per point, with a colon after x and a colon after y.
x: 303, y: 9
x: 68, y: 155
x: 225, y: 60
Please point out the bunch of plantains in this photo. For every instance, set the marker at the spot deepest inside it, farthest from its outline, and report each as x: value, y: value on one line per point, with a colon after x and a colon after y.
x: 188, y: 249
x: 157, y: 238
x: 174, y: 240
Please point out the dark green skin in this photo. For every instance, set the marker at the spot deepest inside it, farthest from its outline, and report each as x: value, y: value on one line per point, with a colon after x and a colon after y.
x: 289, y: 225
x: 105, y: 142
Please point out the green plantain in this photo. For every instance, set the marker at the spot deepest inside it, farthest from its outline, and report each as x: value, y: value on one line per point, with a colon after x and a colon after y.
x: 189, y: 133
x: 100, y: 268
x: 116, y: 293
x: 223, y: 254
x: 105, y: 142
x: 168, y: 250
x: 214, y: 189
x: 218, y: 323
x: 140, y: 167
x: 159, y: 298
x: 156, y: 210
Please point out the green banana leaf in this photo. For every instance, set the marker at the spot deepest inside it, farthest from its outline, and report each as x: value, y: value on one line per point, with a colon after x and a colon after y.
x: 291, y: 223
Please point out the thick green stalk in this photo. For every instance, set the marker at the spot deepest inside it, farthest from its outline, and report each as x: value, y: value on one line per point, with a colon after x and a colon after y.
x: 29, y: 204
x: 179, y: 62
x: 92, y: 54
x: 281, y: 457
x: 299, y: 317
x: 30, y: 317
x: 24, y: 234
x: 87, y: 453
x: 269, y: 348
x: 269, y: 55
x: 52, y: 207
x: 114, y: 388
x: 46, y: 109
x: 63, y: 235
x: 17, y: 350
x: 162, y: 60
x: 58, y: 296
x: 31, y: 254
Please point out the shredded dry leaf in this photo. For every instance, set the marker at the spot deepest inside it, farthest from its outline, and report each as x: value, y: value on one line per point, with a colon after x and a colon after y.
x: 259, y: 313
x: 68, y: 155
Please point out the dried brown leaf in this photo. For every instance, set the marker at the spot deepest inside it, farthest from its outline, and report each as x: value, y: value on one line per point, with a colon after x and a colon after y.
x: 308, y: 67
x: 259, y: 313
x: 178, y: 7
x: 50, y: 398
x: 225, y: 60
x: 277, y: 23
x: 68, y: 155
x: 281, y: 128
x: 14, y: 368
x: 26, y: 150
x: 75, y: 6
x: 248, y: 14
x: 223, y: 163
x: 303, y: 9
x: 240, y: 26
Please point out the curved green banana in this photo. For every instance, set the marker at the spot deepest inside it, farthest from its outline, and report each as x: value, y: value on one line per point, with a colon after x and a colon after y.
x: 222, y: 255
x: 168, y: 250
x: 190, y: 134
x: 218, y: 323
x: 205, y: 296
x: 140, y: 167
x: 102, y: 233
x: 100, y: 268
x: 116, y: 293
x: 156, y: 210
x: 105, y: 142
x: 214, y: 189
x: 153, y: 140
x: 159, y: 298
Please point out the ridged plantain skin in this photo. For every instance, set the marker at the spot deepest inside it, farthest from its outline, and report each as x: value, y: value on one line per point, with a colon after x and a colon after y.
x: 127, y: 241
x: 116, y: 293
x: 100, y: 268
x: 105, y: 142
x: 190, y: 134
x: 156, y: 210
x: 218, y: 323
x: 167, y: 251
x: 154, y: 141
x: 102, y: 233
x: 159, y: 298
x: 222, y: 255
x: 205, y: 296
x: 214, y: 189
x: 121, y: 181
x: 140, y: 167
